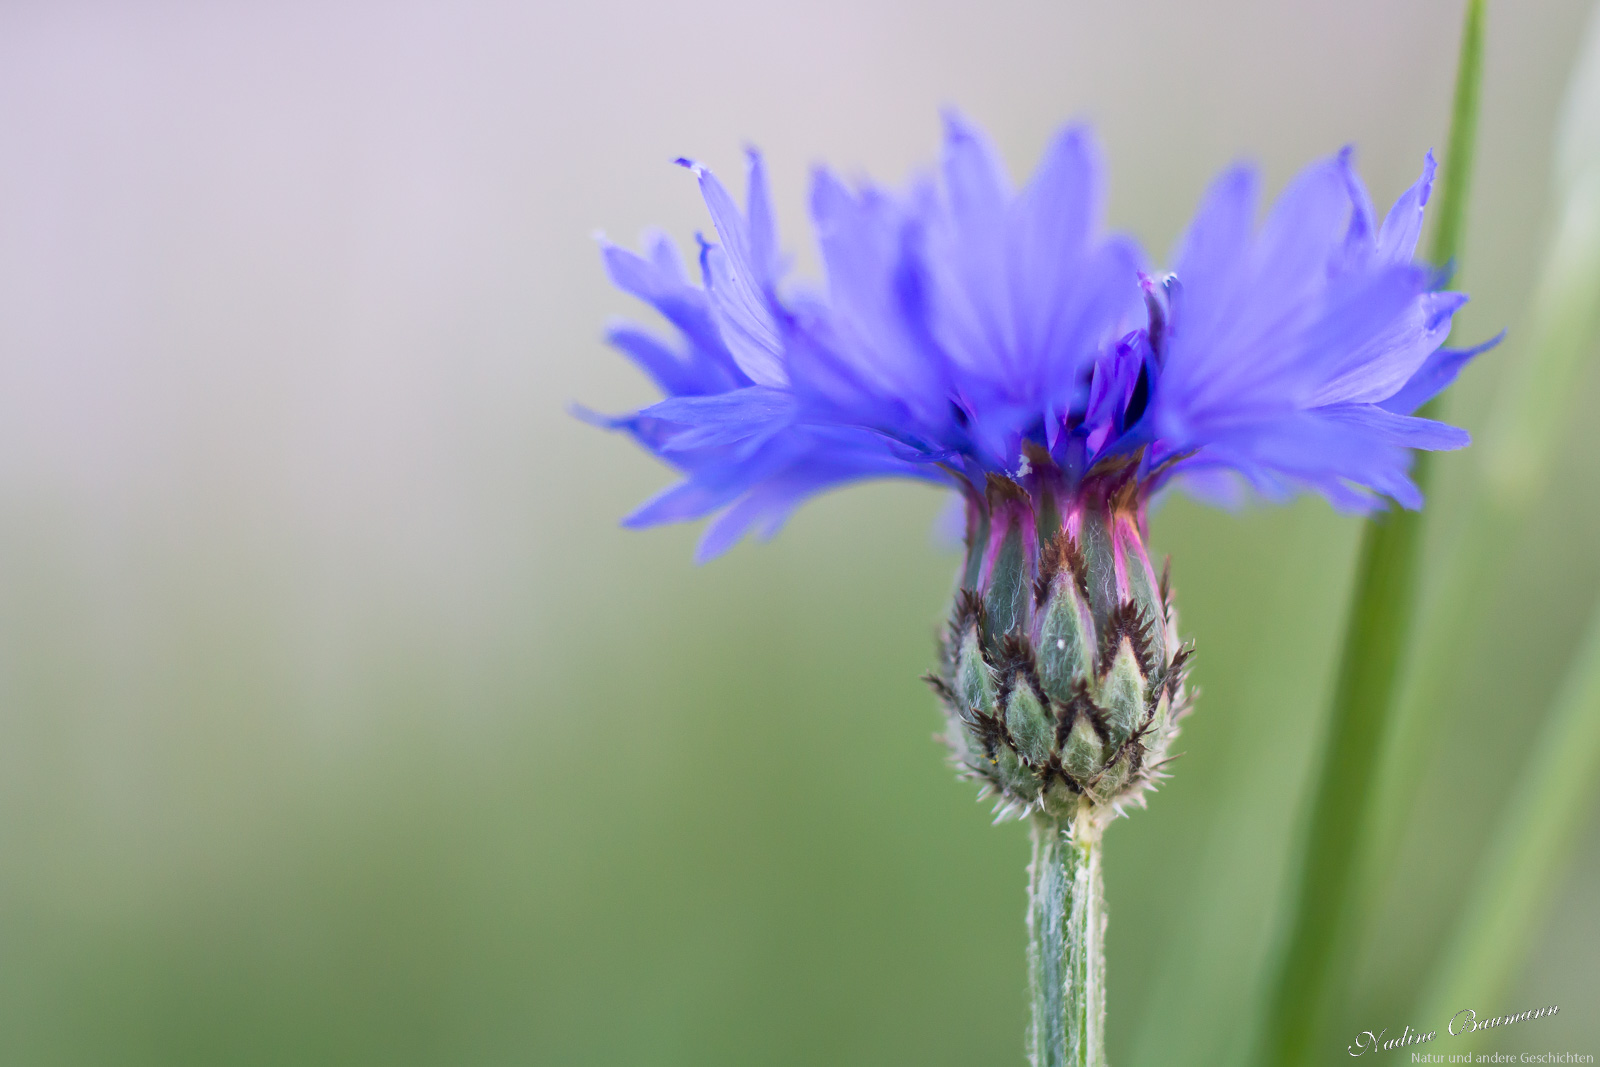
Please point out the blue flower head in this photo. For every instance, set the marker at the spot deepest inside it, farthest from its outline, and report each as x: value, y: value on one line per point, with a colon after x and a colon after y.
x: 989, y: 338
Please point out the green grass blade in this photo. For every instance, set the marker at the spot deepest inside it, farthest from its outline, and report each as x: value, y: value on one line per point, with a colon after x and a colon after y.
x: 1532, y: 413
x: 1309, y: 978
x: 1455, y: 180
x: 1307, y: 982
x: 1527, y: 852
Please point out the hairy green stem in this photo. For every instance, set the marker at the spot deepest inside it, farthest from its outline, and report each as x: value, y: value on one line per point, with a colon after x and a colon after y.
x: 1066, y: 944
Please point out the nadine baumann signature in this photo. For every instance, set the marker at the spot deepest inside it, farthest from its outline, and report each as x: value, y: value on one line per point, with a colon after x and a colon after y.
x: 1465, y: 1021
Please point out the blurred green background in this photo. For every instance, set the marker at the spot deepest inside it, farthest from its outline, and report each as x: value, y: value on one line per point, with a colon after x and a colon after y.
x: 341, y: 724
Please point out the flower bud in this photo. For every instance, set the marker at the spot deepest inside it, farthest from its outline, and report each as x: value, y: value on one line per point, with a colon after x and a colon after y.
x: 1062, y: 674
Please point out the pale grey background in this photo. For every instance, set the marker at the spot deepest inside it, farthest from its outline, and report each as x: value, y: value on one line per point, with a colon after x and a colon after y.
x: 338, y: 721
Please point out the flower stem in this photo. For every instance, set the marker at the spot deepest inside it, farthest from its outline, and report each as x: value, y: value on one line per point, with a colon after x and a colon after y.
x: 1066, y: 948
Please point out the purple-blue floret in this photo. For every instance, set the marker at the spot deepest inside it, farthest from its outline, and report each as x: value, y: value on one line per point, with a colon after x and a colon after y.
x: 968, y: 329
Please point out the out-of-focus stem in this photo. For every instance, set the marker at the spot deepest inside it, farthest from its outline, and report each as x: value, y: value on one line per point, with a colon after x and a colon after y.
x: 1309, y: 978
x: 1309, y: 982
x: 1517, y: 456
x: 1530, y: 842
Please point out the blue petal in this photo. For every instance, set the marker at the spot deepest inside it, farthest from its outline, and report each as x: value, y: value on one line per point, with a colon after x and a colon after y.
x: 659, y: 282
x: 763, y: 225
x: 1363, y: 231
x: 715, y: 481
x: 673, y: 374
x: 1397, y: 242
x: 739, y: 283
x: 1405, y: 431
x: 1435, y: 375
x: 834, y: 460
x: 1213, y: 255
x: 752, y: 414
x: 1069, y: 292
x: 877, y: 355
x: 1306, y: 225
x: 973, y: 175
x: 1375, y: 334
x: 1061, y: 207
x: 967, y: 234
x: 767, y: 505
x: 680, y: 503
x: 963, y: 324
